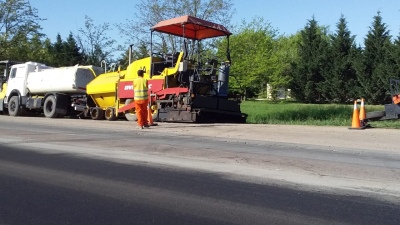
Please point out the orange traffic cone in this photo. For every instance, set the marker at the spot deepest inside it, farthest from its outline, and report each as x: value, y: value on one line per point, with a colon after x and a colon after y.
x: 356, y: 118
x: 362, y: 114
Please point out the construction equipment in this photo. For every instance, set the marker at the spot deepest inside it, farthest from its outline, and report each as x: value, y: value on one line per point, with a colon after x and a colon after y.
x: 36, y: 88
x: 182, y: 88
x: 392, y: 111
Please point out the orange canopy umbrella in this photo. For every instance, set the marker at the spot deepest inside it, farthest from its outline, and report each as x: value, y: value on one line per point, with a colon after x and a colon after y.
x: 191, y: 27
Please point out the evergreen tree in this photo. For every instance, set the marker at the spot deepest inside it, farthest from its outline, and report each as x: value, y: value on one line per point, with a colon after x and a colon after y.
x: 48, y: 48
x: 58, y: 52
x: 396, y: 58
x: 308, y: 81
x: 64, y: 53
x: 342, y: 78
x: 73, y: 54
x: 373, y: 67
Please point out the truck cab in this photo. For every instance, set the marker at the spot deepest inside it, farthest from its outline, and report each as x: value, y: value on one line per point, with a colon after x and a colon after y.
x: 6, y: 65
x: 17, y: 79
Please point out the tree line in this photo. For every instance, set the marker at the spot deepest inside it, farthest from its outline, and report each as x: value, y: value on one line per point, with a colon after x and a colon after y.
x: 332, y: 68
x: 316, y: 65
x: 21, y: 39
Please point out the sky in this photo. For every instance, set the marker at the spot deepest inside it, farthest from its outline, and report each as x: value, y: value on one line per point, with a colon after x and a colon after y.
x: 288, y: 16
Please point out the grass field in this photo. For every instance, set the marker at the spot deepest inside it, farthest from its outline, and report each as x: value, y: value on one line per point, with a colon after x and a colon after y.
x: 266, y: 112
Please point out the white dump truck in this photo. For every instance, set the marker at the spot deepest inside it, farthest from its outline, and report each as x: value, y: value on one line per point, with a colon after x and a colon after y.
x: 33, y: 87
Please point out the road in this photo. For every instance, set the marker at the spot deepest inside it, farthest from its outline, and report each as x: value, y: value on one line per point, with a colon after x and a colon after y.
x: 66, y: 171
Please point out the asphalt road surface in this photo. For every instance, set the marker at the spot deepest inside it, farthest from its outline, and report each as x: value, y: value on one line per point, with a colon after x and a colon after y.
x: 66, y: 171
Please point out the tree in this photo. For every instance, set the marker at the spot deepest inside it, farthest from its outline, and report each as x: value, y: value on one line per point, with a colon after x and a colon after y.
x: 47, y: 47
x: 65, y: 53
x: 283, y: 57
x: 95, y: 43
x: 373, y: 67
x: 19, y: 22
x: 137, y: 31
x: 36, y: 50
x: 252, y: 63
x: 72, y: 51
x: 341, y: 79
x: 307, y: 83
x: 57, y: 52
x: 396, y: 57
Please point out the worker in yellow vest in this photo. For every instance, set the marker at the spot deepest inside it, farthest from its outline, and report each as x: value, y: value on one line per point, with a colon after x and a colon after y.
x: 141, y: 98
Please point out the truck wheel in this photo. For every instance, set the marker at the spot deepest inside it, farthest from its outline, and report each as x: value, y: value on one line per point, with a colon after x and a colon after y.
x: 109, y: 114
x: 130, y: 114
x: 14, y: 108
x: 97, y: 113
x: 49, y: 107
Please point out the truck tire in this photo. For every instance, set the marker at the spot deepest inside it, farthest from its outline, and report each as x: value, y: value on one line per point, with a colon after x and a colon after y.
x: 14, y: 108
x: 49, y: 107
x: 130, y: 114
x: 109, y: 114
x: 97, y: 113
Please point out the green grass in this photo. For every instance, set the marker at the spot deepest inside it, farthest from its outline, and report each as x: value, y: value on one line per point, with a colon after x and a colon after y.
x: 284, y: 112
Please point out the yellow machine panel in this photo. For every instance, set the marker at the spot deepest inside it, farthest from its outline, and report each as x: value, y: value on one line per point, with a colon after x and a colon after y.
x: 103, y: 88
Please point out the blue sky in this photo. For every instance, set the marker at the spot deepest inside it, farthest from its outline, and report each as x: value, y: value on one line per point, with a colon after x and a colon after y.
x: 288, y: 16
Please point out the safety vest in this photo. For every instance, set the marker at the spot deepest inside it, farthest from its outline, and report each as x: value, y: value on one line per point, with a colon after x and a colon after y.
x: 140, y: 88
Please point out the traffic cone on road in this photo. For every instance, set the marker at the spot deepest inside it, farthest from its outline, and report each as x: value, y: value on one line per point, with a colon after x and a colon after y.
x: 356, y: 118
x: 362, y: 115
